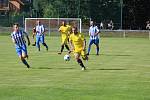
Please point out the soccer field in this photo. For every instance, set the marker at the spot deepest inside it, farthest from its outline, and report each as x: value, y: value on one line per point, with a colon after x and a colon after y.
x: 120, y: 72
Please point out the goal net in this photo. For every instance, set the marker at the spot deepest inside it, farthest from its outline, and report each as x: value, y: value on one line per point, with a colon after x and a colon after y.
x: 51, y: 24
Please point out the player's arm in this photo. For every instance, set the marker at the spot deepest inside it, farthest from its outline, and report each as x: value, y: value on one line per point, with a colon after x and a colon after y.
x: 26, y: 34
x: 89, y: 31
x: 97, y: 31
x: 59, y: 30
x: 43, y: 29
x: 84, y: 42
x: 13, y: 40
x: 33, y: 32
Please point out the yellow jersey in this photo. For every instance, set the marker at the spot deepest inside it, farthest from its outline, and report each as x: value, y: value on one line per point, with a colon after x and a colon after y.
x: 69, y: 28
x: 64, y: 30
x: 77, y: 41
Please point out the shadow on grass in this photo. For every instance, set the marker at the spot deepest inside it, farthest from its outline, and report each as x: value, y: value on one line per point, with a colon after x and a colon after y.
x: 52, y: 68
x: 115, y: 55
x: 108, y: 69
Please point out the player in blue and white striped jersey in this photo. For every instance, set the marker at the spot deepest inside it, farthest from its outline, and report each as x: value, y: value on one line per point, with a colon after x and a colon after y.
x: 40, y: 36
x: 20, y: 44
x: 94, y: 37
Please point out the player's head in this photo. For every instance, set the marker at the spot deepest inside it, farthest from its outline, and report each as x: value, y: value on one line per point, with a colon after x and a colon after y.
x: 15, y: 27
x: 38, y: 22
x: 91, y: 23
x: 74, y: 30
x: 64, y: 23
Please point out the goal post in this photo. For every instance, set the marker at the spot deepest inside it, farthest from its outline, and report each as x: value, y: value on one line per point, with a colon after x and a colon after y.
x: 51, y: 24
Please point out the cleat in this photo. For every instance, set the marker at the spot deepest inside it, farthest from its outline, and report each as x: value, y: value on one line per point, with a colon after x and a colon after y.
x: 59, y: 53
x: 33, y: 44
x: 47, y: 49
x: 69, y: 52
x: 87, y: 54
x: 83, y: 68
x: 28, y: 66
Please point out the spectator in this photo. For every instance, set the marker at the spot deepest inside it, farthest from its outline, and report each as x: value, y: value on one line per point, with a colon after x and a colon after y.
x: 101, y: 25
x: 111, y: 25
x: 148, y: 25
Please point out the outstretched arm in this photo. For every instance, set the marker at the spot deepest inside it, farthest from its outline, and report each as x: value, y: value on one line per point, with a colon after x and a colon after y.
x: 27, y: 37
x: 84, y: 44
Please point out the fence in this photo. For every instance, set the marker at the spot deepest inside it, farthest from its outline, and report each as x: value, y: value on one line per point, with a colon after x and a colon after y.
x: 104, y: 33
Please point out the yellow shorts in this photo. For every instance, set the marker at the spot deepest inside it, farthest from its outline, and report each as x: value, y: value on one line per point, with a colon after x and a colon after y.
x: 64, y: 40
x: 80, y: 52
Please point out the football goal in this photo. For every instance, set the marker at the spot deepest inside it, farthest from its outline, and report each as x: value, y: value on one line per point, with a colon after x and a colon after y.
x: 51, y: 24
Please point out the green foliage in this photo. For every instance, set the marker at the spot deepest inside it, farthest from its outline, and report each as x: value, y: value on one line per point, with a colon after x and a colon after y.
x: 50, y: 11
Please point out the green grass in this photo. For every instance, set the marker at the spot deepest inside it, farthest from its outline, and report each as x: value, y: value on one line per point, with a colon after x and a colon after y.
x: 121, y: 72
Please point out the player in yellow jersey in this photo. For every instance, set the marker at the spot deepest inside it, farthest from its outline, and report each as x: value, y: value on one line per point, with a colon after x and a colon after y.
x: 64, y: 37
x: 78, y: 45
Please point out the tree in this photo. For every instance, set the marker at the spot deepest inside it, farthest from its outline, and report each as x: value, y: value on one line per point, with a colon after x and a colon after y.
x: 50, y: 11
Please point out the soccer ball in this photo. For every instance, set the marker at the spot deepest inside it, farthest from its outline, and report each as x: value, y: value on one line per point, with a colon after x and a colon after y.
x: 67, y: 57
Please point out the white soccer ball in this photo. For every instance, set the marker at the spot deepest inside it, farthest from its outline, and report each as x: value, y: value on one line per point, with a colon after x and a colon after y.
x: 67, y: 57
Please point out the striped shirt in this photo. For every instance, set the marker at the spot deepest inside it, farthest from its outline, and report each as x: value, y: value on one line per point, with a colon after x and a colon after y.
x: 18, y: 37
x: 92, y: 31
x: 40, y: 29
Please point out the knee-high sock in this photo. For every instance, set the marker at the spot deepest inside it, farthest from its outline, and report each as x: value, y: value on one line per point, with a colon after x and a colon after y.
x: 80, y: 63
x: 62, y: 48
x: 97, y: 50
x: 45, y: 45
x: 25, y: 62
x: 67, y: 47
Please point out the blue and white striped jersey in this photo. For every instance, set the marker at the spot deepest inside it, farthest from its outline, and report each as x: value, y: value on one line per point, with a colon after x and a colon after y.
x: 40, y: 29
x: 18, y: 37
x: 92, y: 31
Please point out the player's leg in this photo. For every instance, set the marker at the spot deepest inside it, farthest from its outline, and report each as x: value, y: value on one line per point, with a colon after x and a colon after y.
x: 43, y: 42
x: 77, y: 57
x: 89, y: 47
x: 97, y: 46
x: 66, y: 45
x: 62, y: 45
x: 19, y: 52
x: 38, y: 42
x: 24, y: 52
x: 34, y: 39
x: 84, y: 55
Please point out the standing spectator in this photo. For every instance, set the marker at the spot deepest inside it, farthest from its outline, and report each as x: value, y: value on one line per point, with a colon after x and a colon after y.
x: 101, y: 25
x: 148, y: 25
x: 111, y: 25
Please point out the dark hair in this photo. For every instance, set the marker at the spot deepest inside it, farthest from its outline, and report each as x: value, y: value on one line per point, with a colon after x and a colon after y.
x: 17, y: 24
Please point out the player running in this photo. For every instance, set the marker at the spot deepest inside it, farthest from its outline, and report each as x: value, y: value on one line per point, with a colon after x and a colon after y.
x: 94, y: 37
x: 18, y: 39
x: 64, y: 37
x: 40, y: 36
x: 78, y: 45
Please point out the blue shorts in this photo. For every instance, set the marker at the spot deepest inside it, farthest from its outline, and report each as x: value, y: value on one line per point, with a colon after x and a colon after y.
x: 95, y: 41
x: 39, y: 38
x: 21, y: 49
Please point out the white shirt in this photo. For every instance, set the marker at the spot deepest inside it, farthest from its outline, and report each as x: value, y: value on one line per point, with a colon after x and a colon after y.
x: 39, y: 29
x: 93, y: 30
